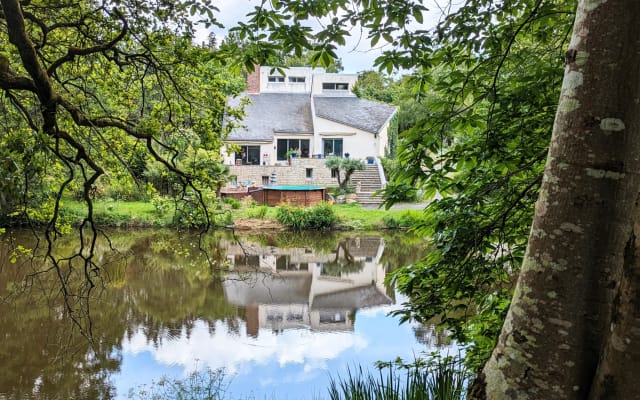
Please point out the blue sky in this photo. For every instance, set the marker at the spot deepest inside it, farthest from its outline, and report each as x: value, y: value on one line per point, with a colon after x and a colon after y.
x: 294, y: 364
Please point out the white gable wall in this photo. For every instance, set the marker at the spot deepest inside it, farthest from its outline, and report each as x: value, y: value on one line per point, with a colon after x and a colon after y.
x: 288, y: 86
x: 319, y: 79
x: 358, y: 143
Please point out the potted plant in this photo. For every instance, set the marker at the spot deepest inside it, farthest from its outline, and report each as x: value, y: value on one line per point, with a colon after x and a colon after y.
x: 292, y: 154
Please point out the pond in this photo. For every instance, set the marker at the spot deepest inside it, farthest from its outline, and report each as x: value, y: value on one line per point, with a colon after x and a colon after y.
x: 280, y: 313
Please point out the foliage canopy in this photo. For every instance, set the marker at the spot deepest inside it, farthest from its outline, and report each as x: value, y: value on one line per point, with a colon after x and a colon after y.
x: 93, y: 94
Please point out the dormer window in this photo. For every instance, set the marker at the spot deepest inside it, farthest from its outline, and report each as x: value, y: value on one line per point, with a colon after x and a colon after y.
x: 335, y: 86
x: 275, y: 79
x: 296, y: 79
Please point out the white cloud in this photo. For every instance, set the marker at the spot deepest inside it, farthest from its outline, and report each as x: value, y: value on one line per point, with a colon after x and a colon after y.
x: 237, y: 353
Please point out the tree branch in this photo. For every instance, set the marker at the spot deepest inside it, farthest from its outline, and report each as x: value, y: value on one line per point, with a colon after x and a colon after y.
x: 73, y: 52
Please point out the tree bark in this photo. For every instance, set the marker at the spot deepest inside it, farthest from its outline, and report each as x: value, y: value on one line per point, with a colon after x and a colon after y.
x: 618, y: 367
x: 574, y: 308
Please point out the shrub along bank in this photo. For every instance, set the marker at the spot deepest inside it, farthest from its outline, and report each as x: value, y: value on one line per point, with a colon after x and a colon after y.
x: 162, y: 213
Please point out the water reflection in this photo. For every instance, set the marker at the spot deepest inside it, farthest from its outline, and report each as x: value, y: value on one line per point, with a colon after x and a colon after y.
x: 280, y: 316
x: 301, y: 287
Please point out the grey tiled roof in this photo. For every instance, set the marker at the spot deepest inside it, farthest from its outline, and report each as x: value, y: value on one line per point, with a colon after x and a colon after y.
x: 353, y: 298
x: 359, y: 113
x: 269, y: 113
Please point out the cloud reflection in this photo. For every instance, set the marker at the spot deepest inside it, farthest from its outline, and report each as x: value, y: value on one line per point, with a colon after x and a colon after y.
x: 239, y: 353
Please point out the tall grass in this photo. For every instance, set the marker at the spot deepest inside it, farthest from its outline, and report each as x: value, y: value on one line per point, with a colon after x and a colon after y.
x: 445, y: 379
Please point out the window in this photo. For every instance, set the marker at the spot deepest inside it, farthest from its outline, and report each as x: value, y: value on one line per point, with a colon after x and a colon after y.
x: 329, y: 317
x: 248, y: 155
x: 332, y: 147
x: 309, y: 173
x: 265, y: 180
x: 299, y: 145
x: 335, y: 86
x: 296, y: 79
x: 334, y: 173
x: 275, y: 79
x: 295, y: 317
x: 247, y: 260
x: 282, y: 263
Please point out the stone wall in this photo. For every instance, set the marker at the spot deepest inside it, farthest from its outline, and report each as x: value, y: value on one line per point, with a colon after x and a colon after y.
x: 294, y: 174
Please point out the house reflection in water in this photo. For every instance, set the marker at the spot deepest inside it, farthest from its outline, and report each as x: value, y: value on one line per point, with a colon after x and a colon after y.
x: 292, y: 288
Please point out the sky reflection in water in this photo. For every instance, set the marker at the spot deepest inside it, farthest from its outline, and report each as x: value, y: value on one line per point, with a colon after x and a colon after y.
x: 295, y: 363
x: 285, y: 319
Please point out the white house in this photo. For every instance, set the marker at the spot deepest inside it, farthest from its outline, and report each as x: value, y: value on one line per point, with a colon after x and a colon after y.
x: 307, y: 111
x: 290, y: 288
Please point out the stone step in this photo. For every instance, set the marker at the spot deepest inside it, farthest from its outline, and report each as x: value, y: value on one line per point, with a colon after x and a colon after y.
x: 368, y: 180
x: 368, y: 198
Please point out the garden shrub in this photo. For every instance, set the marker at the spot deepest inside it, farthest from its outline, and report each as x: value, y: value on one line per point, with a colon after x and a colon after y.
x: 390, y: 222
x: 233, y: 203
x: 257, y: 212
x: 161, y: 205
x: 189, y: 213
x: 293, y: 217
x: 321, y: 216
x: 316, y: 217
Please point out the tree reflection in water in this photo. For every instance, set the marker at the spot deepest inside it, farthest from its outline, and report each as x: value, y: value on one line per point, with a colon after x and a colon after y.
x: 159, y: 283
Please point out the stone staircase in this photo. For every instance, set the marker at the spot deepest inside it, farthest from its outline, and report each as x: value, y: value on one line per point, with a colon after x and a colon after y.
x: 368, y: 181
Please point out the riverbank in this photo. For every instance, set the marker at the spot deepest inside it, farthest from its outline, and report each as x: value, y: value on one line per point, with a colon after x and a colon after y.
x: 238, y: 215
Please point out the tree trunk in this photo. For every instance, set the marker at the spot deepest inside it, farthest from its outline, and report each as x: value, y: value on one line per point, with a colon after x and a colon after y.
x: 571, y: 331
x: 618, y: 367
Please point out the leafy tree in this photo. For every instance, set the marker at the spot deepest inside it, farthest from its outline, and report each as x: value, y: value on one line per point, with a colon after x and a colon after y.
x: 579, y: 277
x: 375, y: 85
x: 85, y: 86
x: 344, y: 165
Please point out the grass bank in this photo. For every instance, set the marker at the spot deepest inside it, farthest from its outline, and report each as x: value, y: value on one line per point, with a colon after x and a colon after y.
x: 147, y: 214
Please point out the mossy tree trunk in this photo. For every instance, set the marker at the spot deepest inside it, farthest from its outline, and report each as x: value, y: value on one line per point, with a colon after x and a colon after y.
x: 572, y: 329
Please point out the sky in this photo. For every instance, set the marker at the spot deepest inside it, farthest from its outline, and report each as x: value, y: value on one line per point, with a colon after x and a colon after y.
x: 357, y: 55
x: 292, y: 364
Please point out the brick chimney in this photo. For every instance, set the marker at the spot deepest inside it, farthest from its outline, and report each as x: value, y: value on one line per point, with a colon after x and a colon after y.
x: 253, y: 80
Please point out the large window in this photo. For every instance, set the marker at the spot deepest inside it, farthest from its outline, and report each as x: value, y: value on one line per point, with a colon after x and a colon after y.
x: 248, y: 155
x: 331, y: 317
x: 335, y: 86
x: 300, y: 146
x: 332, y: 147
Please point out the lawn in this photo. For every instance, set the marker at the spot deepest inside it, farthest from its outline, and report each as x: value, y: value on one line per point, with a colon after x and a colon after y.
x: 139, y: 213
x: 116, y: 213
